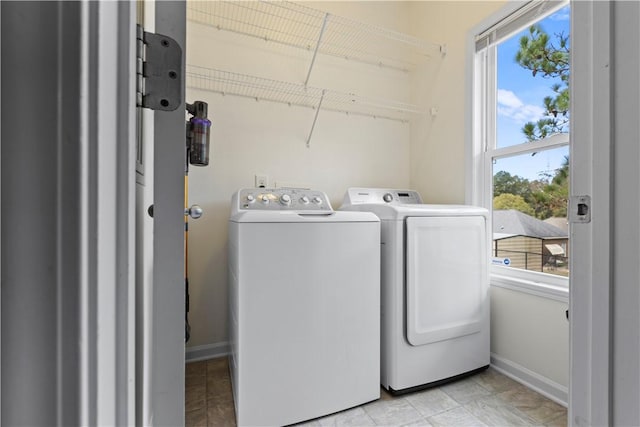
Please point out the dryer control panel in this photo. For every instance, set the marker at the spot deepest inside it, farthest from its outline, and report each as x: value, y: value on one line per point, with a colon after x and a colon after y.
x: 357, y: 196
x: 278, y: 199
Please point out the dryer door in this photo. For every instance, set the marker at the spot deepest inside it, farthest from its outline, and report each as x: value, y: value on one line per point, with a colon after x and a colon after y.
x: 446, y: 271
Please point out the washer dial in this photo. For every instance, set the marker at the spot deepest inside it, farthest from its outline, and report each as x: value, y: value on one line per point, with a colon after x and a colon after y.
x: 285, y: 200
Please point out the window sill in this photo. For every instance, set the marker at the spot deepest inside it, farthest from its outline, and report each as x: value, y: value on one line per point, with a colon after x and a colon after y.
x: 538, y: 284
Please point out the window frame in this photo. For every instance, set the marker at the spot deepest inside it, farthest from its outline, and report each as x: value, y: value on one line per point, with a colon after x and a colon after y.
x: 481, y: 131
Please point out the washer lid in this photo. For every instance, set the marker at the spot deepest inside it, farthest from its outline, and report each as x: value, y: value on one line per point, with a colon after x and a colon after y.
x: 259, y: 216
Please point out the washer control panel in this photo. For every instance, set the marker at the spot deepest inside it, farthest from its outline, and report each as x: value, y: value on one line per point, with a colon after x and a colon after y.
x: 356, y: 196
x: 278, y: 199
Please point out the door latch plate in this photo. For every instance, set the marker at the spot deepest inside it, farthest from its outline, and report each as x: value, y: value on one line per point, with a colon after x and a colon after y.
x: 580, y: 209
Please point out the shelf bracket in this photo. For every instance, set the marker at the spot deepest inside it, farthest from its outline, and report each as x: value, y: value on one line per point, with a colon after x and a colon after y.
x: 315, y: 118
x: 315, y: 52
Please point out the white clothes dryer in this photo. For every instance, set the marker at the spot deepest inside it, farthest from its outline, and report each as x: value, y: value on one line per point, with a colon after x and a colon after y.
x: 304, y: 306
x: 434, y: 287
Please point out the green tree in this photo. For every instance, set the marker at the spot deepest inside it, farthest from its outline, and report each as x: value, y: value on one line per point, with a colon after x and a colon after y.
x: 539, y: 204
x: 512, y: 201
x: 545, y: 197
x: 558, y: 198
x: 548, y: 59
x: 504, y: 182
x: 550, y: 195
x: 559, y: 189
x: 562, y: 174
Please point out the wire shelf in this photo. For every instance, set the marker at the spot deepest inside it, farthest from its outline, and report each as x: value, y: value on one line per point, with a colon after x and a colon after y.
x: 229, y: 83
x: 310, y: 29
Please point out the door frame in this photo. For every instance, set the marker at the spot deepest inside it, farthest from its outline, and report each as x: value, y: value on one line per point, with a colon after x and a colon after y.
x: 591, y: 261
x: 68, y: 149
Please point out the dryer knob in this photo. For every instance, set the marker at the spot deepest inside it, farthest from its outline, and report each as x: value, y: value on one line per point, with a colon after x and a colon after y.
x: 304, y: 199
x: 387, y: 198
x: 317, y: 200
x: 285, y: 199
x: 250, y: 198
x: 264, y: 199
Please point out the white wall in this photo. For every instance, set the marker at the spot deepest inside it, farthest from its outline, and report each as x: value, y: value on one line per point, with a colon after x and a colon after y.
x: 531, y: 333
x: 250, y: 137
x: 437, y: 143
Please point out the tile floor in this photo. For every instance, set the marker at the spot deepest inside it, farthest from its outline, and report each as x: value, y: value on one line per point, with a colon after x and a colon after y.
x: 486, y: 399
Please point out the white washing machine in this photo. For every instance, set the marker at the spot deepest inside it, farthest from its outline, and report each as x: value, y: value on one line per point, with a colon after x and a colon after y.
x: 434, y: 287
x: 304, y: 306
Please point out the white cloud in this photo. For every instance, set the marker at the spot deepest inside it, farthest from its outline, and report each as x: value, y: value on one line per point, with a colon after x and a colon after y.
x: 508, y: 99
x: 509, y: 105
x: 562, y: 15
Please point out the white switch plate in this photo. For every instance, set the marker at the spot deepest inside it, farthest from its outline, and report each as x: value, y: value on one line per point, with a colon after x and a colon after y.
x: 261, y: 181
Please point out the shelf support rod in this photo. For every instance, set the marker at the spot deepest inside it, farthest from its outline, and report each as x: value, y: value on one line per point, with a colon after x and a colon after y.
x: 315, y: 118
x: 315, y: 52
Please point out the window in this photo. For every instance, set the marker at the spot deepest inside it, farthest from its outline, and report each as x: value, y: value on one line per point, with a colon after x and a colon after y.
x: 520, y: 140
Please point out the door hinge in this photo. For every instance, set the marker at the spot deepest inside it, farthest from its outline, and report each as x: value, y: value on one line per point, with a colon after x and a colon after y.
x: 159, y: 72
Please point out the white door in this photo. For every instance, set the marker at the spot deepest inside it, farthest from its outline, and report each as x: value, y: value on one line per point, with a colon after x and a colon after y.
x: 446, y: 277
x: 165, y: 362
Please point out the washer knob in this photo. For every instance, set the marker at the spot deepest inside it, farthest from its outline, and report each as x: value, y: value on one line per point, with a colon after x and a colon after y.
x: 264, y: 199
x: 387, y: 198
x: 285, y: 199
x: 317, y: 200
x: 305, y: 200
x: 250, y: 198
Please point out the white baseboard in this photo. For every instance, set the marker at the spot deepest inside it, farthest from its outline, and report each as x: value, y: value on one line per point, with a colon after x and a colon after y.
x: 543, y: 385
x: 208, y: 351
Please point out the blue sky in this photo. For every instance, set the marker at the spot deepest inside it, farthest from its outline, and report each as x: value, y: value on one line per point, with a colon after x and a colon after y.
x: 520, y: 98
